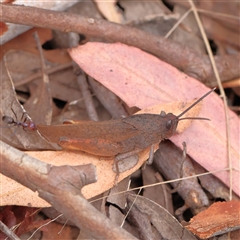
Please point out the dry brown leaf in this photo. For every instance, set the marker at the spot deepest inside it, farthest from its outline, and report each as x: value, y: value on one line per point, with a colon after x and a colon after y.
x: 15, y: 194
x: 26, y: 42
x: 142, y: 80
x: 15, y: 135
x: 219, y: 218
x: 160, y: 220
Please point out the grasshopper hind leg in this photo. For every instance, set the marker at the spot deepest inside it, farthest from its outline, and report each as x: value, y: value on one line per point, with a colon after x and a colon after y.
x: 124, y: 162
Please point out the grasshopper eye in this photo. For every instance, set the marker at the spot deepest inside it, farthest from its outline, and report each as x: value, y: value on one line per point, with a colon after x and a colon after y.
x: 168, y: 124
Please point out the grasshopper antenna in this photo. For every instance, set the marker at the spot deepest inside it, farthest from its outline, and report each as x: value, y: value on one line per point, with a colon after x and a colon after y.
x: 200, y: 99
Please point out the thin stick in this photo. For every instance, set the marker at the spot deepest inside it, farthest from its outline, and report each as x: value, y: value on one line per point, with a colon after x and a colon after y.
x: 166, y: 49
x: 44, y: 97
x: 8, y: 232
x: 87, y: 96
x: 221, y: 91
x: 161, y: 183
x: 39, y: 74
x: 43, y: 65
x: 178, y: 22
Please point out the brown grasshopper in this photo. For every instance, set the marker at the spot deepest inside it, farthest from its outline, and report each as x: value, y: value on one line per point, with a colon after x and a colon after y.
x: 118, y: 138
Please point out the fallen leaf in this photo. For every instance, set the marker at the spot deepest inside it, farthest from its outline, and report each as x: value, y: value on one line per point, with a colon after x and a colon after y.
x: 142, y: 80
x: 219, y: 218
x: 26, y: 41
x: 10, y: 106
x: 160, y: 219
x: 16, y: 194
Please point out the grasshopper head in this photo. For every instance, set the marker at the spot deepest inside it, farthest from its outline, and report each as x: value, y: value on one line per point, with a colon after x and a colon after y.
x: 170, y: 122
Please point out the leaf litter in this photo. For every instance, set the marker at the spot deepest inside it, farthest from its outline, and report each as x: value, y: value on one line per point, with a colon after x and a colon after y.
x: 168, y: 109
x: 140, y: 74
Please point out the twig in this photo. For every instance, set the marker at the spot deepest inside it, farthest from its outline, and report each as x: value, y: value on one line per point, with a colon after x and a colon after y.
x: 216, y: 73
x: 39, y: 74
x: 43, y: 65
x: 180, y: 56
x: 166, y: 182
x: 63, y: 191
x: 45, y: 224
x: 87, y: 97
x: 181, y: 168
x: 178, y: 22
x: 42, y: 99
x: 73, y: 39
x: 8, y: 232
x: 108, y: 99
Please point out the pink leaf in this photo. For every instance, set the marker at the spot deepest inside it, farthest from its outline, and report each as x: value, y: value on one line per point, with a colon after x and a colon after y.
x: 142, y: 80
